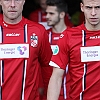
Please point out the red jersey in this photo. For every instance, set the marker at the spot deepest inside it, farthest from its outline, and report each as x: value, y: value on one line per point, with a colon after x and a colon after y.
x: 20, y: 76
x: 47, y: 71
x: 78, y: 48
x: 38, y: 16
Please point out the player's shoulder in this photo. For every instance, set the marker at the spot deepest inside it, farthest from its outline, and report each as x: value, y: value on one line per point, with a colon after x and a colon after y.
x: 75, y: 30
x: 1, y: 15
x: 33, y: 25
x: 1, y: 18
x: 49, y: 30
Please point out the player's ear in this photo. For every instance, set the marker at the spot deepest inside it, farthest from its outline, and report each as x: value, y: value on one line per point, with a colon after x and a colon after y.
x: 62, y: 14
x: 24, y: 1
x: 81, y: 6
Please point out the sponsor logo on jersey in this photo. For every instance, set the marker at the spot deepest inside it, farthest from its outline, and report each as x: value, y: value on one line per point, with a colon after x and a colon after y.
x: 95, y: 37
x: 21, y: 50
x: 14, y: 51
x: 56, y: 38
x: 34, y: 40
x: 55, y: 49
x: 13, y: 34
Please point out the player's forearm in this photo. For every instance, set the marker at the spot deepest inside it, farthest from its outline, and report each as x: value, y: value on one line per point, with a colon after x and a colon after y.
x: 54, y: 88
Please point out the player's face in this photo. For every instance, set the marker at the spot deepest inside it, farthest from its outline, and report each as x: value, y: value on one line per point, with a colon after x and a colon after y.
x: 53, y: 17
x: 43, y: 4
x: 12, y: 10
x: 91, y: 9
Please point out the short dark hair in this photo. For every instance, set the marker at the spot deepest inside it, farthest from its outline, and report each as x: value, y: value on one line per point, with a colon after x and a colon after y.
x: 60, y: 4
x: 81, y: 1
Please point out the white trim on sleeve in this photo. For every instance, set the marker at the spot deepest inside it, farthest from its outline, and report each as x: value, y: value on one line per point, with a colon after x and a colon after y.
x: 53, y: 64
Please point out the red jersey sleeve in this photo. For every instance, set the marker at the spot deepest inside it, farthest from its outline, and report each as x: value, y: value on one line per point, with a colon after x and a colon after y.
x: 61, y: 58
x: 45, y: 51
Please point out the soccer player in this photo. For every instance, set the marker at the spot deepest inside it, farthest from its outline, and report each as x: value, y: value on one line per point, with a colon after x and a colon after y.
x: 23, y: 49
x: 39, y: 15
x: 56, y: 11
x: 80, y: 48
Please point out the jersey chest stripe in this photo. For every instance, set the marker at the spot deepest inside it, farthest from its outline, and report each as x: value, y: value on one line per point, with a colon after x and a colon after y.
x: 2, y: 77
x: 25, y: 64
x: 64, y: 83
x: 85, y: 67
x: 50, y: 37
x: 25, y: 34
x: 24, y: 76
x: 1, y: 34
x: 1, y: 64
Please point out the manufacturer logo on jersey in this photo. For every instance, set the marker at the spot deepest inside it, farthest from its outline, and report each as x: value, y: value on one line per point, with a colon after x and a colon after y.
x: 21, y: 49
x: 95, y: 37
x: 34, y: 40
x: 55, y: 49
x: 13, y: 34
x: 61, y: 36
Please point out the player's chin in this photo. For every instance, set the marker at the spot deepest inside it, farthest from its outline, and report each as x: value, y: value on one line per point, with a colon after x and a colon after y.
x: 94, y: 23
x: 49, y: 24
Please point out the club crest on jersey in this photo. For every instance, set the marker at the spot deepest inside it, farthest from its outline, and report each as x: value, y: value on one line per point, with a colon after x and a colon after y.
x: 34, y: 40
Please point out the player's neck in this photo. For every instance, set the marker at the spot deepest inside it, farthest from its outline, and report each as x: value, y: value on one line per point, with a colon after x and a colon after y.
x: 12, y: 21
x: 59, y: 28
x: 92, y: 27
